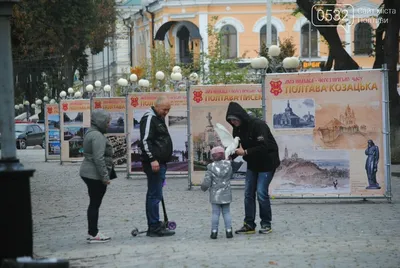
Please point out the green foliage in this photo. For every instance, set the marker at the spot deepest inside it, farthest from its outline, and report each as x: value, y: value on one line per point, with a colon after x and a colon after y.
x: 219, y: 69
x: 61, y: 31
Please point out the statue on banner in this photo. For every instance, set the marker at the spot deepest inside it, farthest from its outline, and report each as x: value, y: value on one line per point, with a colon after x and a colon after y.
x: 371, y: 164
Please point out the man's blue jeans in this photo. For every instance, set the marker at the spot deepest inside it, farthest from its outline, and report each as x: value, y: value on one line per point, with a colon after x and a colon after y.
x: 257, y: 182
x: 154, y: 194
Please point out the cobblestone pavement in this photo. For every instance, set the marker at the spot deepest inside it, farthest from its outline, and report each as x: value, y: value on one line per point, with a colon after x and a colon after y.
x: 306, y: 233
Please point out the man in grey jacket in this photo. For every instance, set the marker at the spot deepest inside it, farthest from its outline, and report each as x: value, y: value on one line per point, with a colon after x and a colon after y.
x: 95, y: 170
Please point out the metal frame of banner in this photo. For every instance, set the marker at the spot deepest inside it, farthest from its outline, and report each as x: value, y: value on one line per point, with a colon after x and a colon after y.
x: 127, y: 138
x: 386, y: 142
x: 189, y: 135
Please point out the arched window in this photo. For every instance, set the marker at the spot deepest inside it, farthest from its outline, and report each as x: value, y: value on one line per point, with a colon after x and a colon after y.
x: 362, y: 38
x: 263, y: 35
x: 228, y: 42
x: 305, y: 41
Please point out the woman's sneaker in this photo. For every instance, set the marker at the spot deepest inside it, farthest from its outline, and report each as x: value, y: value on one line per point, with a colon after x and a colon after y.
x: 214, y: 235
x: 229, y: 233
x: 265, y: 229
x: 246, y: 229
x: 99, y: 238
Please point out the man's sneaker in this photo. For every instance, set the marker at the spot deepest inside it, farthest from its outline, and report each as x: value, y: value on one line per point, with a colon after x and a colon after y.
x: 214, y: 235
x: 99, y: 238
x: 265, y: 230
x: 246, y: 229
x: 160, y: 231
x: 229, y: 233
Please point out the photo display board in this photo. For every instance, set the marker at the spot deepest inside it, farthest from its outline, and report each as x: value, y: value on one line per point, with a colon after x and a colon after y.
x: 208, y: 106
x: 52, y: 132
x: 116, y: 132
x: 176, y: 121
x: 74, y: 123
x: 329, y: 129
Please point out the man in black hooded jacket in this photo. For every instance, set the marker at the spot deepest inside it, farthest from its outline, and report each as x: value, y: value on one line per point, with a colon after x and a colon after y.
x: 259, y: 149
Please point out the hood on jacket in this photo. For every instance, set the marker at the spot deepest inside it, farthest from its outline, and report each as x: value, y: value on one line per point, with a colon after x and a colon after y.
x: 99, y: 120
x: 237, y: 111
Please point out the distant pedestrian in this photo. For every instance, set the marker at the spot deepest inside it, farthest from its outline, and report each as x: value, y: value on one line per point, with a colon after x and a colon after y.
x: 96, y: 170
x: 217, y: 180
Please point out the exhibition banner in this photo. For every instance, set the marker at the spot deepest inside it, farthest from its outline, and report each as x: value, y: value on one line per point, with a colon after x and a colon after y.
x: 52, y: 131
x: 116, y: 131
x: 74, y: 122
x: 328, y: 127
x: 208, y: 106
x: 176, y: 121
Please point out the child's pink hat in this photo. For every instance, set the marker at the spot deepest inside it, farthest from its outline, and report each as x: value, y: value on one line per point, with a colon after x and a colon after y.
x: 217, y: 150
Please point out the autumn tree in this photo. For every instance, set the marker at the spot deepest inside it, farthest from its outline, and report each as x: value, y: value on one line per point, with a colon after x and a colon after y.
x: 53, y: 35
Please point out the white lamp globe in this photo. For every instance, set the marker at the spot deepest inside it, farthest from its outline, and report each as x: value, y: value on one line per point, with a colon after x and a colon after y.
x: 33, y: 106
x: 274, y: 51
x: 176, y: 69
x: 140, y: 83
x: 146, y: 83
x: 120, y: 82
x: 16, y: 106
x: 295, y: 62
x: 52, y: 101
x: 193, y: 77
x: 89, y: 88
x: 133, y: 77
x: 160, y: 75
x: 107, y: 88
x: 45, y: 99
x: 70, y: 90
x: 97, y: 83
x: 124, y: 82
x: 176, y: 76
x: 287, y: 63
x: 38, y: 102
x: 26, y: 102
x: 259, y: 63
x: 77, y: 94
x: 21, y: 106
x: 63, y: 94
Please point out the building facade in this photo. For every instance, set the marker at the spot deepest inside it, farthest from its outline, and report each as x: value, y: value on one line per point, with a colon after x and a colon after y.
x: 182, y: 26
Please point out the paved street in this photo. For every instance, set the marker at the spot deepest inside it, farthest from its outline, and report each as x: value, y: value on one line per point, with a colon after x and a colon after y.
x: 306, y: 233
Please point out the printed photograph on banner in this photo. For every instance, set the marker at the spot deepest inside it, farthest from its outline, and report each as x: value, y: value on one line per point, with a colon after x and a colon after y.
x: 53, y: 121
x: 75, y: 147
x: 293, y: 113
x: 177, y: 119
x: 73, y: 118
x: 54, y: 148
x: 117, y: 124
x: 74, y: 132
x: 205, y: 137
x: 347, y: 125
x: 119, y: 148
x: 304, y: 170
x: 54, y: 135
x: 137, y: 115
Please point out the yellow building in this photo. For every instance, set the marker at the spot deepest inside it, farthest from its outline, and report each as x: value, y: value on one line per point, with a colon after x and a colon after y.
x: 182, y: 26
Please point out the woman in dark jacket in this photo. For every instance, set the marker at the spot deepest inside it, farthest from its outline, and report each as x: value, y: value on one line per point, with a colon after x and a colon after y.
x: 95, y: 170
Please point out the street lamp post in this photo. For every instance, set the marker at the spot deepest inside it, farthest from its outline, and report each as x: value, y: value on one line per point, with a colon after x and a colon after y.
x: 15, y: 195
x: 261, y: 63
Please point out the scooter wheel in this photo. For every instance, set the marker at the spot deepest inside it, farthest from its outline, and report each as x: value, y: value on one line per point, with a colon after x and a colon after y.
x: 171, y: 225
x: 135, y: 232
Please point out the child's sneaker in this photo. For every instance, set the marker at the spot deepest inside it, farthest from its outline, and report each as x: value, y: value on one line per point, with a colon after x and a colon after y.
x: 229, y: 233
x: 265, y: 229
x: 246, y: 229
x: 99, y: 238
x: 214, y: 235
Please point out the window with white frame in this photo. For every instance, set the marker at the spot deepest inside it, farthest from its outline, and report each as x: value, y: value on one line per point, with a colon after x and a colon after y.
x: 228, y: 42
x: 362, y: 38
x: 263, y: 35
x: 305, y: 41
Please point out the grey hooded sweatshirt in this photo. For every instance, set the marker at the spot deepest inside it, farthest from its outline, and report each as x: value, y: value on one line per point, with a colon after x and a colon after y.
x: 218, y: 179
x: 97, y: 149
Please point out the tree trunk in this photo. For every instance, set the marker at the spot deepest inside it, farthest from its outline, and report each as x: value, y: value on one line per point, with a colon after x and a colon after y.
x: 329, y: 63
x: 379, y: 41
x: 331, y: 36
